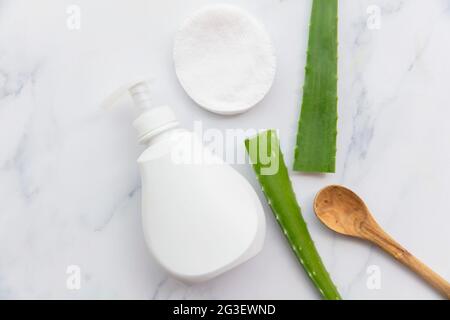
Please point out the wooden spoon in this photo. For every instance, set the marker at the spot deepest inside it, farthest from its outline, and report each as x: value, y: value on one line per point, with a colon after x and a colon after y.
x: 343, y: 211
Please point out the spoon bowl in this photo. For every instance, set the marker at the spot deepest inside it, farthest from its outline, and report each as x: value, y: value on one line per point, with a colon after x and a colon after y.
x: 341, y: 210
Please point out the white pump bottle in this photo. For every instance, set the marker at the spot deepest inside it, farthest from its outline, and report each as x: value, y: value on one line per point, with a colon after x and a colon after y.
x: 200, y: 218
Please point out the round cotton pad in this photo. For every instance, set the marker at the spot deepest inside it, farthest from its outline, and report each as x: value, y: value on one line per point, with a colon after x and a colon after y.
x: 224, y: 59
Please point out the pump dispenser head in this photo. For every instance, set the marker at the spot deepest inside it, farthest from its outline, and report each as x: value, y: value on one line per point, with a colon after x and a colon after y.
x: 151, y: 120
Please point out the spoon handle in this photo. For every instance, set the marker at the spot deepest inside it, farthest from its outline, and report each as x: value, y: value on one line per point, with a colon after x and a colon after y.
x: 384, y: 241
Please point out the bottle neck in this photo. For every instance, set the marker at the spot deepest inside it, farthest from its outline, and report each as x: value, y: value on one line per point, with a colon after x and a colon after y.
x: 160, y: 134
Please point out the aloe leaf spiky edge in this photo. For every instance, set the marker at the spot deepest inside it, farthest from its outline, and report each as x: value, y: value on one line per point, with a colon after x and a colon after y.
x: 317, y: 129
x: 277, y: 188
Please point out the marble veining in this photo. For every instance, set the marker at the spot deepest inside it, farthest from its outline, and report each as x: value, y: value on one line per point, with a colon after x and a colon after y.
x: 69, y: 183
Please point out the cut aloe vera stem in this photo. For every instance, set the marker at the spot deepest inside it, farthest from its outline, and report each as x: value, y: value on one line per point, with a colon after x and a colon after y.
x: 317, y: 130
x: 268, y: 163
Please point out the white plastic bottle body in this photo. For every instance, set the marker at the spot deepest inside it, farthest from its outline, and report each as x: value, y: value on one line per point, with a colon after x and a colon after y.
x: 200, y: 217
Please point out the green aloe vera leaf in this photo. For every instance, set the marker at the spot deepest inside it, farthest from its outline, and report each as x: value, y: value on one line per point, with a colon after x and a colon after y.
x: 268, y: 163
x: 316, y: 138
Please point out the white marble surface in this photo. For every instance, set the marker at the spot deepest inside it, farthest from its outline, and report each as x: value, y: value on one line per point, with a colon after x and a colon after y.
x: 69, y: 184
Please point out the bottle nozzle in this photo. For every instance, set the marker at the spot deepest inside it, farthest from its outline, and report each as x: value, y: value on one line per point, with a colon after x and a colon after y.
x: 151, y: 120
x: 140, y: 93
